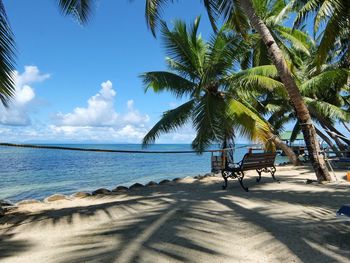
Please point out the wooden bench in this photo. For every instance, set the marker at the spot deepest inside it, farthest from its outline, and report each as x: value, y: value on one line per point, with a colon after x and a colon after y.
x: 261, y: 162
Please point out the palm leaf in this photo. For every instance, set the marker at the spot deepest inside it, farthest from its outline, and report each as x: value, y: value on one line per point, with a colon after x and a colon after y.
x: 182, y: 48
x: 166, y: 81
x: 248, y: 122
x: 7, y: 58
x: 325, y: 82
x: 209, y: 122
x: 80, y: 9
x: 170, y: 121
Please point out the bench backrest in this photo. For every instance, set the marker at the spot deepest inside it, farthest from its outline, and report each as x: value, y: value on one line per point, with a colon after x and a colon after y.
x: 252, y: 161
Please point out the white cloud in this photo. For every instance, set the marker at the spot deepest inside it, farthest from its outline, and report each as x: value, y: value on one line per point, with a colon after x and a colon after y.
x: 134, y: 116
x: 99, y: 119
x: 17, y: 114
x: 99, y: 111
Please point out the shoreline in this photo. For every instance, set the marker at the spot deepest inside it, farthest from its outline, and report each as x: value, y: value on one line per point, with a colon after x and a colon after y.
x: 8, y: 205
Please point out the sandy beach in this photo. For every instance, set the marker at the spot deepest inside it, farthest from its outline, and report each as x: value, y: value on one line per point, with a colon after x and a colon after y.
x: 191, y: 220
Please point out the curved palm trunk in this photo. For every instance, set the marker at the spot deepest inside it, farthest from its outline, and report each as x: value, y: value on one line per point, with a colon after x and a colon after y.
x: 317, y: 159
x: 329, y: 142
x: 293, y: 158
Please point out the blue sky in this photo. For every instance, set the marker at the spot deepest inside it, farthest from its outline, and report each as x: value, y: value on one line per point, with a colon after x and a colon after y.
x: 62, y: 65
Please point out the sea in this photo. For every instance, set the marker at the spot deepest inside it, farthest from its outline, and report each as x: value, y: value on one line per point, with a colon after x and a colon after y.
x: 31, y: 173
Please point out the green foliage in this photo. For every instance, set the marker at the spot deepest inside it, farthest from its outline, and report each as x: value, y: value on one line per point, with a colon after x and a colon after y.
x: 202, y: 72
x: 170, y: 121
x: 7, y: 58
x: 335, y: 15
x: 80, y: 9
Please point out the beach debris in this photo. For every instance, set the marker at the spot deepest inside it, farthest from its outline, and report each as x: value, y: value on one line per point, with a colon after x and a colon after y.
x: 136, y: 185
x: 56, y: 197
x: 151, y: 183
x: 165, y: 181
x: 120, y: 188
x: 28, y: 202
x: 101, y: 191
x: 81, y: 194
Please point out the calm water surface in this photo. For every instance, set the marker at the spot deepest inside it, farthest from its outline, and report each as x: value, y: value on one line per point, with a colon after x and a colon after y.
x: 36, y: 173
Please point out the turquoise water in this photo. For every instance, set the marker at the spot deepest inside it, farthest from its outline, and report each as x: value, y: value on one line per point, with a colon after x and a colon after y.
x: 37, y: 173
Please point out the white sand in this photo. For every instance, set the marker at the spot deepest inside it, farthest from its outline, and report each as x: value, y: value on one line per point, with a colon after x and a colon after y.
x: 188, y: 221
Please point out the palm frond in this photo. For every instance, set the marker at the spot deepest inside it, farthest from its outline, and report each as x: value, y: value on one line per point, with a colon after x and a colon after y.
x: 80, y: 9
x: 248, y: 122
x: 182, y: 47
x: 327, y: 110
x: 170, y: 121
x: 298, y: 39
x: 7, y: 58
x: 160, y: 81
x: 325, y: 82
x: 209, y: 122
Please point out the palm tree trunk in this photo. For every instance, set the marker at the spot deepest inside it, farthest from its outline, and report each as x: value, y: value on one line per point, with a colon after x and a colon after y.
x: 335, y: 131
x: 313, y: 147
x: 293, y: 158
x: 329, y: 142
x: 340, y: 145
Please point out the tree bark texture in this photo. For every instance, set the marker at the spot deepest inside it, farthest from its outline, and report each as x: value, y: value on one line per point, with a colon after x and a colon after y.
x: 308, y: 129
x: 293, y: 158
x: 329, y: 142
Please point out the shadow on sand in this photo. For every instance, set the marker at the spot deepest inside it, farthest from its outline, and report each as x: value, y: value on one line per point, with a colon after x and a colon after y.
x: 179, y: 223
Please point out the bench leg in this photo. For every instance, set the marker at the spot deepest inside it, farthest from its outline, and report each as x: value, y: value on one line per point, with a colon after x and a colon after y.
x: 225, y: 178
x: 259, y: 172
x: 273, y: 170
x: 240, y: 180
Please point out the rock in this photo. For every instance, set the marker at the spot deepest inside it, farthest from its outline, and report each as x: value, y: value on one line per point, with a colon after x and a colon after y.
x: 56, y: 197
x: 165, y: 181
x: 209, y: 175
x: 151, y: 183
x: 136, y: 185
x: 101, y: 191
x: 28, y: 202
x: 177, y: 179
x: 198, y: 177
x: 6, y: 203
x: 81, y: 194
x: 120, y: 188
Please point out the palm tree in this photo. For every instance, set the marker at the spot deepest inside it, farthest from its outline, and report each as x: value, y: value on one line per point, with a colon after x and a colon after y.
x: 335, y: 14
x: 291, y: 41
x: 199, y: 71
x: 80, y: 9
x: 321, y: 91
x: 238, y: 13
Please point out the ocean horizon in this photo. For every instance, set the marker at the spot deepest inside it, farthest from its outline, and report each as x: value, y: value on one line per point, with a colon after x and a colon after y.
x: 30, y: 173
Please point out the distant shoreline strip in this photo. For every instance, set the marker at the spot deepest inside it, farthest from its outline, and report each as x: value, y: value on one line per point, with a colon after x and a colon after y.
x: 100, y: 150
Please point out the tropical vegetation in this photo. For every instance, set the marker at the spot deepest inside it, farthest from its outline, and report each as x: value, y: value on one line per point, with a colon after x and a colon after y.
x: 244, y: 17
